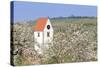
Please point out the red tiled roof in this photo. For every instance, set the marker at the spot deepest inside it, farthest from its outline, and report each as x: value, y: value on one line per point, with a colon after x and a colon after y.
x: 40, y: 24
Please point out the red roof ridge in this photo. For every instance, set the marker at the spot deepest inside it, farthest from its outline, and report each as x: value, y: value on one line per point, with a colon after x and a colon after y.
x: 40, y: 24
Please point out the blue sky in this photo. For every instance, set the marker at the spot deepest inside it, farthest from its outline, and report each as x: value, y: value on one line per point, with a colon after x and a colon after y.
x: 24, y: 11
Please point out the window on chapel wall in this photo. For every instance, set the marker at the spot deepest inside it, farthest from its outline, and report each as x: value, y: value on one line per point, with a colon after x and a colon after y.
x: 48, y: 34
x: 48, y: 27
x: 38, y: 34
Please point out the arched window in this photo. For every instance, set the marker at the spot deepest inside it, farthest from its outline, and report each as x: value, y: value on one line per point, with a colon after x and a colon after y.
x: 48, y: 34
x: 38, y: 34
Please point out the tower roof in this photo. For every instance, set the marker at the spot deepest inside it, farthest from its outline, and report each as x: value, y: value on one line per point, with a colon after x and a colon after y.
x: 40, y: 24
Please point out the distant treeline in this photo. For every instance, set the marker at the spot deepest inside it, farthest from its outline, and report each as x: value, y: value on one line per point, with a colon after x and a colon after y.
x: 75, y: 17
x: 57, y: 18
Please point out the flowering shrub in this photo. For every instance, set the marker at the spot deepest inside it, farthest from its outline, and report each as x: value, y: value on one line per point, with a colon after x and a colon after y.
x: 74, y: 41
